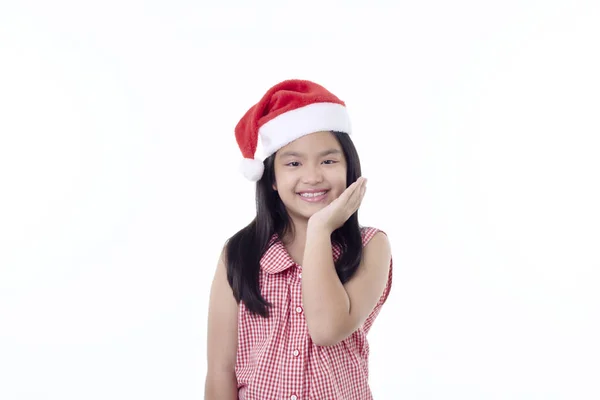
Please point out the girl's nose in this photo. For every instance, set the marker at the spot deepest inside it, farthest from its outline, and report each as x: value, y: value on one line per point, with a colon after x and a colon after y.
x: 313, y: 175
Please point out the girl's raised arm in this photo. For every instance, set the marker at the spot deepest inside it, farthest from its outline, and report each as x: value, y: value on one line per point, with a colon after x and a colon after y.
x: 220, y: 381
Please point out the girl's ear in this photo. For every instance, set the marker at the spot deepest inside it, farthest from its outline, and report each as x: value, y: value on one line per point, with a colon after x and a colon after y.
x: 275, y: 187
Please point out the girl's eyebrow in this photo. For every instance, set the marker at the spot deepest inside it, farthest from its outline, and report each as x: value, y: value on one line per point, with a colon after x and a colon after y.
x: 321, y: 154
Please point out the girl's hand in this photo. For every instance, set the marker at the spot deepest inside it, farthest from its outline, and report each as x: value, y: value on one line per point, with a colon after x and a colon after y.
x: 339, y: 210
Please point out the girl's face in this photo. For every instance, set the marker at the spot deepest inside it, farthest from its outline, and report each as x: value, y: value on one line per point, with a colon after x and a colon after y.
x: 310, y: 173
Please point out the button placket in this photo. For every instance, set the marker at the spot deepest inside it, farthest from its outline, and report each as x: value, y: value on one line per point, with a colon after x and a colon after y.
x: 296, y: 343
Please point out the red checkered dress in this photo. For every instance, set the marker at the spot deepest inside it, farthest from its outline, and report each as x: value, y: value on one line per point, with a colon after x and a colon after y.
x: 276, y: 358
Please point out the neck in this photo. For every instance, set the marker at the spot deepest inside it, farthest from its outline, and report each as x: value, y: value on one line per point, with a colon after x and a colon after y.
x: 294, y: 239
x: 296, y: 234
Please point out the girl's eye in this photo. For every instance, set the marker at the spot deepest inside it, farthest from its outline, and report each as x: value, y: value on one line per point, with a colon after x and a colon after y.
x: 296, y: 163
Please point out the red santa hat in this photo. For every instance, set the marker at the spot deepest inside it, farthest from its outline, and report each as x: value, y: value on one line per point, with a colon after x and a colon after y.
x: 288, y: 111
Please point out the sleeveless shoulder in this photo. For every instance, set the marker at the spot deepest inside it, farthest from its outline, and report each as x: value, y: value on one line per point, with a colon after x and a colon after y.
x: 367, y: 233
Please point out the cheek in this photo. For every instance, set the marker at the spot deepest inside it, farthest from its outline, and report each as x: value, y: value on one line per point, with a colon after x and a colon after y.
x: 339, y: 185
x: 285, y: 186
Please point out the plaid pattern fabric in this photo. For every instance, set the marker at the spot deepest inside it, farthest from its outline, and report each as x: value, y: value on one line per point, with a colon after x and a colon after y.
x: 276, y: 358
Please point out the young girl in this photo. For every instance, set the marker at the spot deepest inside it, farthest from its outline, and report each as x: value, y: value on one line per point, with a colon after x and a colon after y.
x: 296, y: 291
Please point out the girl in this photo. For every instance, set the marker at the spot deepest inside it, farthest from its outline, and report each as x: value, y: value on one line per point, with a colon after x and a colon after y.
x: 296, y: 291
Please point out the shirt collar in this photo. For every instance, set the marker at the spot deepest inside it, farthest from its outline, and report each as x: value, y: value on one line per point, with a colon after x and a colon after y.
x: 277, y: 259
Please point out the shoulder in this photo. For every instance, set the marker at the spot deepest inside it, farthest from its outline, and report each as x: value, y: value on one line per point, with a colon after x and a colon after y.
x: 377, y: 257
x: 376, y: 245
x: 368, y: 233
x: 370, y: 285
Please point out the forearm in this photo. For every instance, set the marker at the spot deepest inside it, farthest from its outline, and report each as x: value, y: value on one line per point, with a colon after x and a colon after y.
x: 220, y: 387
x: 326, y: 303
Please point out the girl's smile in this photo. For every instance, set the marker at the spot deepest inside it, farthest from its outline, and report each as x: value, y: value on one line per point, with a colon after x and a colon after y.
x: 314, y: 196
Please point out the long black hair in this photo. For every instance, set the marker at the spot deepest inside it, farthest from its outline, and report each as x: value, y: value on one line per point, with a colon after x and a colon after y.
x: 245, y: 249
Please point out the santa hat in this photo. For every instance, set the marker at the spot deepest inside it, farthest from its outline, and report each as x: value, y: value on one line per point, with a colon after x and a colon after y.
x: 288, y: 111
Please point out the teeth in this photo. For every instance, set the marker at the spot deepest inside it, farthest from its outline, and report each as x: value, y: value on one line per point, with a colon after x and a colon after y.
x: 312, y: 194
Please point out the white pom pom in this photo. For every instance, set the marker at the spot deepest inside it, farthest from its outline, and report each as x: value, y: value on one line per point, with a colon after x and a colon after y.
x: 252, y: 169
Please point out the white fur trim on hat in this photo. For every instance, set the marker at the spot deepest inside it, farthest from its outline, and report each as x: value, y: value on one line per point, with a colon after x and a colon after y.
x: 291, y: 125
x: 252, y: 169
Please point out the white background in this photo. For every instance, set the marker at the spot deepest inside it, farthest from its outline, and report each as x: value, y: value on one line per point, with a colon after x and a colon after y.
x: 477, y: 127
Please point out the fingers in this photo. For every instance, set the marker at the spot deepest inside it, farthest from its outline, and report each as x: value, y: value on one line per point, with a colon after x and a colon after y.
x: 353, y: 195
x: 357, y: 193
x: 351, y: 190
x: 363, y: 189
